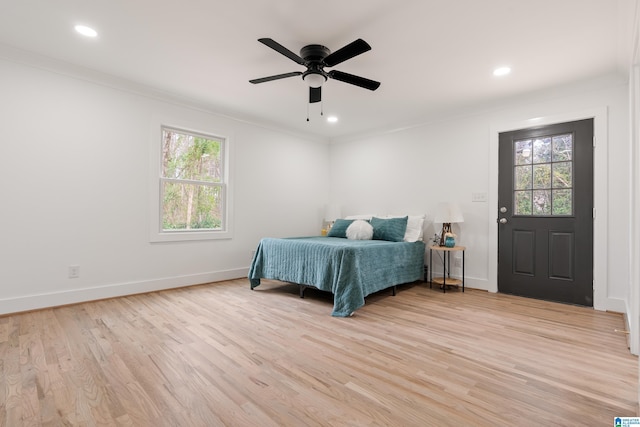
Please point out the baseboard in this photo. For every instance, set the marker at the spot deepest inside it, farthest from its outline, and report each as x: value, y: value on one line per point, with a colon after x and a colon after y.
x: 474, y: 283
x: 626, y: 330
x: 54, y: 299
x: 616, y: 305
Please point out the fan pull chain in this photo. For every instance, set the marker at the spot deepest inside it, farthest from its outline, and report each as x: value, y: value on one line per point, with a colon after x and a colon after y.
x: 321, y: 109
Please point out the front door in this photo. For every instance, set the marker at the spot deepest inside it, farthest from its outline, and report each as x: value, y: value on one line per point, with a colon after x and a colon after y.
x: 545, y: 212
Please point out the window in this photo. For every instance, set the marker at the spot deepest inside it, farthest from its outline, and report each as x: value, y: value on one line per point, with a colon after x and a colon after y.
x: 193, y: 186
x: 543, y: 176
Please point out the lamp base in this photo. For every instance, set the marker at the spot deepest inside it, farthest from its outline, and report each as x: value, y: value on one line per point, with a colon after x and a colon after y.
x: 446, y: 228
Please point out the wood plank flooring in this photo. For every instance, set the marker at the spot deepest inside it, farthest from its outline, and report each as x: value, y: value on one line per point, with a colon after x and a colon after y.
x: 223, y: 355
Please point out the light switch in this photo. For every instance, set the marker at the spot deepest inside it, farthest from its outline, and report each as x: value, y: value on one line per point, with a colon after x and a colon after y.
x: 479, y: 197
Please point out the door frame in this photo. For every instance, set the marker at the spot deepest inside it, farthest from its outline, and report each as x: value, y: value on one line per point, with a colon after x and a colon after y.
x: 600, y: 202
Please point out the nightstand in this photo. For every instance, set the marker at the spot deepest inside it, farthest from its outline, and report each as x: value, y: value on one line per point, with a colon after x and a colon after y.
x: 446, y: 279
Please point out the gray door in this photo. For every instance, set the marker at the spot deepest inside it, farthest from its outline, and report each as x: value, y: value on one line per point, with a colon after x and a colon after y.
x: 545, y: 212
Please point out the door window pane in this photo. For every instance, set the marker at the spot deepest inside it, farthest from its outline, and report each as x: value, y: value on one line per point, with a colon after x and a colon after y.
x: 542, y: 176
x: 542, y: 202
x: 523, y: 152
x: 562, y: 177
x: 522, y: 203
x: 562, y: 147
x: 542, y: 150
x: 523, y: 178
x: 562, y: 202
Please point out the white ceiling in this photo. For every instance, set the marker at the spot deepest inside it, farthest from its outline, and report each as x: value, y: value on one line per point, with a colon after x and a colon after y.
x: 431, y: 56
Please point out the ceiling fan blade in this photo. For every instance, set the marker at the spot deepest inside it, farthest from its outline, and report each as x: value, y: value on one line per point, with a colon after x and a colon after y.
x: 354, y: 80
x: 315, y: 94
x: 276, y: 77
x: 281, y: 49
x: 347, y: 52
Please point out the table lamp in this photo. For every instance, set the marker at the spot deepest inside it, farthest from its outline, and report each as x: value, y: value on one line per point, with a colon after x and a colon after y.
x: 447, y: 214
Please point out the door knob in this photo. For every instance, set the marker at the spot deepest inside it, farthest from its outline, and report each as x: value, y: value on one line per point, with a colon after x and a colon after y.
x: 503, y: 209
x: 503, y: 220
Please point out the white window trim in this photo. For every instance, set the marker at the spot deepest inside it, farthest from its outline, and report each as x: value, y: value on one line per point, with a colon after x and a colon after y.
x: 156, y: 234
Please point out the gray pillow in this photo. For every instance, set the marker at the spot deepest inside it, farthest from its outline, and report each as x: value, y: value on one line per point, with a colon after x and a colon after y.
x: 391, y: 229
x: 339, y: 228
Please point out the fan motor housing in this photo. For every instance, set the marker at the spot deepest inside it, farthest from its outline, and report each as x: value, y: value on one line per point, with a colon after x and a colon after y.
x: 314, y: 52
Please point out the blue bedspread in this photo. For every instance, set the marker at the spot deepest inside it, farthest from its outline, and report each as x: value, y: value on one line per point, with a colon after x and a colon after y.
x: 350, y: 269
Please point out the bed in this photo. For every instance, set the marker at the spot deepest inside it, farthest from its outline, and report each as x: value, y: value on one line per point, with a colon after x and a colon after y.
x: 350, y: 269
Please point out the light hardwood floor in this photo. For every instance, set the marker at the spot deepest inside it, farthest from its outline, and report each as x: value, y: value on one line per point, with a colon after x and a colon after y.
x: 223, y: 355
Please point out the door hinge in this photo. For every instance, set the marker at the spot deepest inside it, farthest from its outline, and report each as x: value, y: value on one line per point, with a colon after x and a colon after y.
x: 594, y: 213
x: 594, y: 141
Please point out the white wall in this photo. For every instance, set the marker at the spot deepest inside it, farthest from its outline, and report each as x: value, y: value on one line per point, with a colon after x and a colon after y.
x: 414, y: 169
x: 74, y: 185
x: 75, y: 190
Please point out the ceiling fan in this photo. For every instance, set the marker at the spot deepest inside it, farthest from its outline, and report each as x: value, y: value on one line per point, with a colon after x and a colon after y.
x: 315, y: 57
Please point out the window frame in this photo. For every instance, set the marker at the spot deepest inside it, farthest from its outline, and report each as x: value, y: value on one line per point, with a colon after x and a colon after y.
x: 157, y: 234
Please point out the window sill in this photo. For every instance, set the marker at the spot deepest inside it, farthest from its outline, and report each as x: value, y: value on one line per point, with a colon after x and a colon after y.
x: 186, y: 236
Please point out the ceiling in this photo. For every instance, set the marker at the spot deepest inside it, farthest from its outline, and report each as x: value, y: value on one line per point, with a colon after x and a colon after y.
x: 431, y: 56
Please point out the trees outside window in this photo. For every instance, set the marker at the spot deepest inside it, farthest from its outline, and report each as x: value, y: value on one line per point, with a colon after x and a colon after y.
x: 192, y: 182
x: 543, y: 176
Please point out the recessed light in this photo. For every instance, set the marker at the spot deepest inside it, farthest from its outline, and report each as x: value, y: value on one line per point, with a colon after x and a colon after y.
x: 332, y: 119
x: 86, y: 31
x: 501, y: 71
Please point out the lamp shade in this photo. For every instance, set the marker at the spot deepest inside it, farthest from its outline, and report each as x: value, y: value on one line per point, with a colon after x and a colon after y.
x: 448, y: 213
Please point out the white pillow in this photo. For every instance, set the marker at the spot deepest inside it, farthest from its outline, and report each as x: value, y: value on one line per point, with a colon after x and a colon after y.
x: 365, y: 217
x: 360, y: 230
x: 415, y: 224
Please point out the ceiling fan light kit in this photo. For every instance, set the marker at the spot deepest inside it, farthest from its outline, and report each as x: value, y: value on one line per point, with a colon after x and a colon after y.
x: 315, y: 57
x: 314, y: 79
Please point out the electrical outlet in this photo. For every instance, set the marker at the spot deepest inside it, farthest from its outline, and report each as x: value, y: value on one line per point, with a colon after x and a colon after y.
x: 74, y: 271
